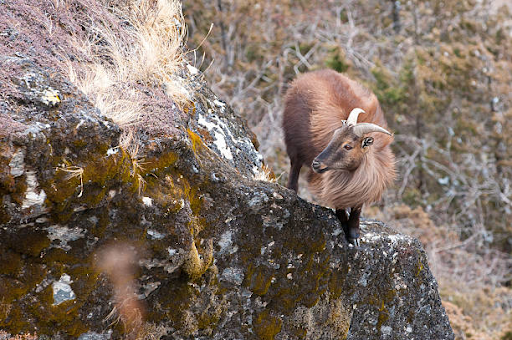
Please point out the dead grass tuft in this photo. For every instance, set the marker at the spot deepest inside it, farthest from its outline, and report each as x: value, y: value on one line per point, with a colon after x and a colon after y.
x: 74, y: 172
x: 265, y: 174
x: 132, y: 149
x: 148, y: 51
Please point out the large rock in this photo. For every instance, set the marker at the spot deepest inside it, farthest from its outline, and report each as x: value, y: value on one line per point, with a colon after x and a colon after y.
x: 219, y: 254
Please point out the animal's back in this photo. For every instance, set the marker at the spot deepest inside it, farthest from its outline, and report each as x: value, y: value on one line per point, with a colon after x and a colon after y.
x: 296, y: 121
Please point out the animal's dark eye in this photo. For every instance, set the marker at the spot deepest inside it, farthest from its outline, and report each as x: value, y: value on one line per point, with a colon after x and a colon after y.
x: 347, y: 147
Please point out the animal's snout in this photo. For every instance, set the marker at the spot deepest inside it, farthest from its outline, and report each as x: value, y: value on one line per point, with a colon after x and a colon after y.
x: 318, y: 166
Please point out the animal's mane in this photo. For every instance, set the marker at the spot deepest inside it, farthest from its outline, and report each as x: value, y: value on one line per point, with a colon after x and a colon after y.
x: 353, y: 189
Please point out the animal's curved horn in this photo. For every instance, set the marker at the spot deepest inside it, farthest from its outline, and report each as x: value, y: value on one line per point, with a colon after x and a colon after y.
x: 352, y: 117
x: 364, y: 128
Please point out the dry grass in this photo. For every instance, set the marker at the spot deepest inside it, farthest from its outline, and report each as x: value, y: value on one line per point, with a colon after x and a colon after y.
x: 118, y: 63
x: 471, y: 276
x: 476, y: 313
x: 265, y: 174
x: 147, y: 51
x: 74, y: 172
x: 132, y: 149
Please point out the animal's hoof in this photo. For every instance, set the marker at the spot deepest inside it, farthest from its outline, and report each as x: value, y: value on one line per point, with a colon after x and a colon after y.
x: 354, y: 241
x: 353, y: 236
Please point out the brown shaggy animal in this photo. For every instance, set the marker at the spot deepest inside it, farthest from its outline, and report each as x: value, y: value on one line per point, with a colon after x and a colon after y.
x: 336, y: 127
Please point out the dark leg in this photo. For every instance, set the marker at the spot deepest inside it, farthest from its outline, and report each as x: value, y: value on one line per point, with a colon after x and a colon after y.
x: 353, y: 226
x: 293, y: 179
x: 343, y: 217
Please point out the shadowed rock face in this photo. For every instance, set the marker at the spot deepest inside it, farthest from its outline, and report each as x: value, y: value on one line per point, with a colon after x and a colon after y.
x: 218, y: 255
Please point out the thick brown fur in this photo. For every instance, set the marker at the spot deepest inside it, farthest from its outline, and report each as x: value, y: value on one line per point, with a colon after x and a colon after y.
x: 315, y: 106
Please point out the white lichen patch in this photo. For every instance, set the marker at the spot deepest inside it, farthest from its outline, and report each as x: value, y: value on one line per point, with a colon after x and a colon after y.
x: 148, y: 201
x: 386, y: 330
x: 192, y: 70
x: 17, y: 163
x: 171, y: 251
x: 336, y: 232
x: 217, y: 128
x: 155, y: 235
x: 96, y: 336
x: 393, y: 239
x: 32, y: 197
x: 237, y: 150
x: 112, y: 151
x: 36, y: 128
x: 224, y: 140
x: 258, y: 167
x: 64, y: 235
x: 220, y: 104
x: 62, y: 290
x: 233, y: 275
x: 50, y: 97
x: 226, y: 243
x: 221, y: 145
x: 398, y: 238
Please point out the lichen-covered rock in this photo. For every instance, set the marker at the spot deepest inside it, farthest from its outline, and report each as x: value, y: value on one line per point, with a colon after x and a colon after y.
x: 219, y: 255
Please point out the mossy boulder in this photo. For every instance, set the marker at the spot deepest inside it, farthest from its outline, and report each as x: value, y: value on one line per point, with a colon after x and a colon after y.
x: 220, y: 255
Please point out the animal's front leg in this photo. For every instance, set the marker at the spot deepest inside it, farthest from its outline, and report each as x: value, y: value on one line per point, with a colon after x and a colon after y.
x: 293, y: 179
x: 343, y: 217
x: 353, y: 226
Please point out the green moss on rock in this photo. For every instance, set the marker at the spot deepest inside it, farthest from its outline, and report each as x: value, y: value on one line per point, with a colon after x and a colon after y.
x: 259, y: 279
x: 266, y: 326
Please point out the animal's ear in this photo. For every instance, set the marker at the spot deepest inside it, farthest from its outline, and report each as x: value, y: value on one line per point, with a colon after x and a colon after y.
x: 367, y: 141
